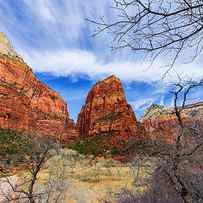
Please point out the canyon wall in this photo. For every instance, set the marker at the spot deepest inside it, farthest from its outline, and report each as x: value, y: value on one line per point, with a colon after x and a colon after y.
x: 162, y: 123
x: 28, y: 105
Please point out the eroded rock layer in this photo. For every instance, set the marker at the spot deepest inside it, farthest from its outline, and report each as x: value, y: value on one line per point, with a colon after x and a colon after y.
x: 162, y: 123
x: 28, y: 105
x: 107, y: 113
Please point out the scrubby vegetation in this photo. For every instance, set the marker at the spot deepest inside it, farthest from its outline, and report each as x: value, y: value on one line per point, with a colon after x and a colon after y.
x: 14, y: 146
x: 96, y: 145
x: 155, y: 110
x: 72, y: 177
x: 148, y: 147
x: 92, y: 145
x: 99, y: 145
x: 17, y: 148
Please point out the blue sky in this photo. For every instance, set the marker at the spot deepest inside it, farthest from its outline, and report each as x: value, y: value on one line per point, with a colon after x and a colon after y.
x: 55, y: 40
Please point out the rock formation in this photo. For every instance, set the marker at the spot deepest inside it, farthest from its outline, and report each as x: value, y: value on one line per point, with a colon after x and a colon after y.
x: 107, y: 113
x: 161, y: 123
x: 5, y: 46
x: 28, y: 105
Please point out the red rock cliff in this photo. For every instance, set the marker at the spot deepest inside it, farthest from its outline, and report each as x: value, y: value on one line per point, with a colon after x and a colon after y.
x: 161, y: 123
x: 106, y: 112
x: 28, y: 105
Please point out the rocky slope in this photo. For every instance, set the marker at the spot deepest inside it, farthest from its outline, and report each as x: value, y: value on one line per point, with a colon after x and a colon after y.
x: 161, y: 123
x: 107, y: 113
x: 28, y: 105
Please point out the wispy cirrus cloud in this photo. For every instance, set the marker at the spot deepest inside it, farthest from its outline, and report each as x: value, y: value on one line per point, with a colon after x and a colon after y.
x: 54, y: 37
x: 79, y: 62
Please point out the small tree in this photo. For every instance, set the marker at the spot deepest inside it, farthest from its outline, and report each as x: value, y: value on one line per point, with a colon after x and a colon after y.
x: 27, y: 189
x: 178, y: 174
x: 187, y: 154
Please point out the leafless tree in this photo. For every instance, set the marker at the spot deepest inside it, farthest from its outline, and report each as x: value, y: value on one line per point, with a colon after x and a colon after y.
x: 166, y: 28
x: 186, y: 157
x: 17, y: 192
x: 179, y: 172
x: 25, y: 189
x: 155, y: 27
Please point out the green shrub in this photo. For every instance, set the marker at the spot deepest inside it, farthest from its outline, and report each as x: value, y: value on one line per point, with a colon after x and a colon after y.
x: 13, y: 143
x: 17, y: 148
x: 78, y: 146
x: 114, y: 151
x: 88, y: 146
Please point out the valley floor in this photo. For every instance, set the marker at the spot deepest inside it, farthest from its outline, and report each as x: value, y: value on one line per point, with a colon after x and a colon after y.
x: 85, y: 179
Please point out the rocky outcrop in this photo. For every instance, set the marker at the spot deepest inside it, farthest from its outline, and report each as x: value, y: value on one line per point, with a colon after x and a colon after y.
x: 107, y: 113
x: 5, y: 46
x: 162, y: 123
x: 28, y: 105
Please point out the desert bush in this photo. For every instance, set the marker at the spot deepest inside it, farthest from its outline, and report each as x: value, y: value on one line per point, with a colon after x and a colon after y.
x: 146, y: 147
x: 88, y: 146
x: 79, y: 146
x: 115, y: 151
x: 99, y: 145
x: 14, y: 146
x: 17, y: 148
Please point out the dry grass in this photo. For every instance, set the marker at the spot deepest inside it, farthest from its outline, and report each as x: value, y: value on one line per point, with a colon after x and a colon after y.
x: 89, y: 180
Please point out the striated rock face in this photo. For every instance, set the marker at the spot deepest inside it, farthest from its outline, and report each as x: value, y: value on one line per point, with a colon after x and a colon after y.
x: 107, y: 113
x: 28, y: 105
x: 161, y: 123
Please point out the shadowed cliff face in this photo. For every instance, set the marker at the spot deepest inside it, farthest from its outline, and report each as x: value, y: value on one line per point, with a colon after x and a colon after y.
x: 107, y: 113
x: 26, y: 104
